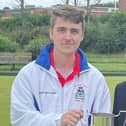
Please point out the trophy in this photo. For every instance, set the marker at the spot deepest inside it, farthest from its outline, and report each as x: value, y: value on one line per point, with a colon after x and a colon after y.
x: 106, y: 119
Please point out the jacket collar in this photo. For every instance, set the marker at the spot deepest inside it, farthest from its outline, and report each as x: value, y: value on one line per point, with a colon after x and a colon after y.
x: 44, y: 58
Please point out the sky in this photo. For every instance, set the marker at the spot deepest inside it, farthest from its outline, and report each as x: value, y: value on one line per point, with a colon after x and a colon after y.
x: 42, y: 3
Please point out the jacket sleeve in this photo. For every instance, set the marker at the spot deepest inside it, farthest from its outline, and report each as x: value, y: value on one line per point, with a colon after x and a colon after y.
x: 102, y: 101
x: 115, y: 106
x: 23, y: 109
x: 120, y: 104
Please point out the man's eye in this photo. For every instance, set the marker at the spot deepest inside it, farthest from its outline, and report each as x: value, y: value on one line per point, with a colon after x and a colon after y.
x: 74, y: 31
x: 61, y: 29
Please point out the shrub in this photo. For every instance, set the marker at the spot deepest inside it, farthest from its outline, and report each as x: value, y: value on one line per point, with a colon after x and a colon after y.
x: 35, y: 45
x: 7, y: 45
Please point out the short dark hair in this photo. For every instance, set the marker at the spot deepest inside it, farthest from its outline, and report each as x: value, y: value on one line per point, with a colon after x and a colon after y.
x: 68, y: 12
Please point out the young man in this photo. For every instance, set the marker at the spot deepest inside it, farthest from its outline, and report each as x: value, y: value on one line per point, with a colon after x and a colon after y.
x: 120, y: 104
x: 60, y: 88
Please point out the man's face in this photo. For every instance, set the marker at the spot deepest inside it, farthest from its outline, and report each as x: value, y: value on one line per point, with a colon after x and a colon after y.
x: 66, y: 35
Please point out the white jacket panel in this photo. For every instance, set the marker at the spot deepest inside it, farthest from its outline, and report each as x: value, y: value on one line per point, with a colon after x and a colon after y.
x: 37, y: 98
x: 53, y: 100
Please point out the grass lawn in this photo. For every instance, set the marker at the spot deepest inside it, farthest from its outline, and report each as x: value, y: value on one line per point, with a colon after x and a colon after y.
x: 106, y: 58
x: 104, y: 62
x: 112, y: 81
x: 108, y: 63
x: 5, y: 85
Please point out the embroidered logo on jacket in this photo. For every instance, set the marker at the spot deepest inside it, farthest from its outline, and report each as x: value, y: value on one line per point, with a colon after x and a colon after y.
x: 80, y: 94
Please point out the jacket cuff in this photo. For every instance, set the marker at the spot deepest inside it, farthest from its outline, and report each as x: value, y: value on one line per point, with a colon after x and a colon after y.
x: 58, y: 119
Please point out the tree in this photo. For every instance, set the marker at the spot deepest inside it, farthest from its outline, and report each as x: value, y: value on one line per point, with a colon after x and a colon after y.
x: 88, y: 7
x: 35, y: 45
x: 74, y: 2
x: 7, y: 45
x: 66, y: 2
x: 21, y: 6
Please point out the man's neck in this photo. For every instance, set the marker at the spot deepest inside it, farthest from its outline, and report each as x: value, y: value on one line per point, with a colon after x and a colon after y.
x: 64, y: 62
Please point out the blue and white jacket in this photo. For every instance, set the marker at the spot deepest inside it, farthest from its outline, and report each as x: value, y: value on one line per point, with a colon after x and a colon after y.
x: 37, y: 98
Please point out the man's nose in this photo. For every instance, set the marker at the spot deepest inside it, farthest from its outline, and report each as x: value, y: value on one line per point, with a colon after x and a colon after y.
x: 68, y: 35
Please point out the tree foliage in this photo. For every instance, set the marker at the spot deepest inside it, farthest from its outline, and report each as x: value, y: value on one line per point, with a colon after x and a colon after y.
x: 106, y: 34
x: 7, y: 45
x: 103, y: 34
x: 35, y: 45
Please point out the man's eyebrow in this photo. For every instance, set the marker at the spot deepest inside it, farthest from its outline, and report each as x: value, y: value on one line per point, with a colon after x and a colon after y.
x: 74, y: 28
x: 60, y: 27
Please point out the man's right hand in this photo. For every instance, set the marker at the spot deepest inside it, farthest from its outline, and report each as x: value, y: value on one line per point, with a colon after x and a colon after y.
x: 71, y: 117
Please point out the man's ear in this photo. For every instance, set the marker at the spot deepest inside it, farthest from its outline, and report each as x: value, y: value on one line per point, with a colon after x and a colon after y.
x: 50, y: 34
x: 82, y: 36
